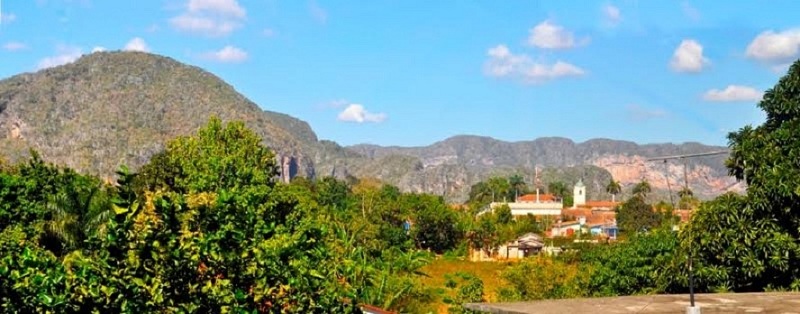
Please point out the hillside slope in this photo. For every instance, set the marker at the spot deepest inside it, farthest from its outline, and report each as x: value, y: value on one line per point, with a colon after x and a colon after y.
x: 114, y: 108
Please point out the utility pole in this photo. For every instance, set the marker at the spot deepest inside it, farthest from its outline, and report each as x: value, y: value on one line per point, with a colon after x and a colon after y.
x: 692, y: 309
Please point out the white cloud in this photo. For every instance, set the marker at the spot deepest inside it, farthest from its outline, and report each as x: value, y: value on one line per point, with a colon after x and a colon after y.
x: 98, y: 49
x: 204, y: 25
x: 7, y: 18
x: 356, y: 113
x: 228, y: 54
x: 690, y: 11
x: 775, y: 46
x: 212, y: 18
x: 318, y: 13
x: 153, y: 28
x: 639, y: 113
x: 222, y: 7
x: 548, y: 35
x: 14, y: 46
x: 688, y: 57
x: 339, y: 103
x: 503, y: 63
x: 268, y: 32
x: 136, y: 44
x: 733, y: 93
x: 64, y: 54
x: 612, y: 14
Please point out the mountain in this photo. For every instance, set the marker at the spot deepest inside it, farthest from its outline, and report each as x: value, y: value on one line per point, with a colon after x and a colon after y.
x: 451, y: 166
x: 113, y: 108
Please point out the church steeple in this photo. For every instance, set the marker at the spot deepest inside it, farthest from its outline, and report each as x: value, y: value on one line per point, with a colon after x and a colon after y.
x: 579, y: 193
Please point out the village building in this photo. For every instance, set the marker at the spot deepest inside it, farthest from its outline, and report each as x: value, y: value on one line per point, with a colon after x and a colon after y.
x: 591, y: 218
x: 538, y: 204
x: 526, y: 245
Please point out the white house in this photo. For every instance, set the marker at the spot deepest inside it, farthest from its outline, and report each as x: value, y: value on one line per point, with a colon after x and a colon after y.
x: 531, y: 204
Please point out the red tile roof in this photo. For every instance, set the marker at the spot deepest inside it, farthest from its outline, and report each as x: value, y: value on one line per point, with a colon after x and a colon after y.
x: 592, y: 216
x: 600, y: 204
x: 544, y: 198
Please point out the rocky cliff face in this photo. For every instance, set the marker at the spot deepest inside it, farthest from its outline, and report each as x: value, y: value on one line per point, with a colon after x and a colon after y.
x: 453, y: 165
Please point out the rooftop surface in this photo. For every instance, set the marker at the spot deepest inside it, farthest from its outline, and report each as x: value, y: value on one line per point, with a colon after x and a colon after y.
x: 677, y: 303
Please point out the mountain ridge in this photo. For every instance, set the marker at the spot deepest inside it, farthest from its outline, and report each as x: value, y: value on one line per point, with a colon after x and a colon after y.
x: 112, y: 108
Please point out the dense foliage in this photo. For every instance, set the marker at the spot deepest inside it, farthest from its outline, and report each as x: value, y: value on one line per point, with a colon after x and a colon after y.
x: 741, y: 243
x: 206, y: 227
x: 752, y: 242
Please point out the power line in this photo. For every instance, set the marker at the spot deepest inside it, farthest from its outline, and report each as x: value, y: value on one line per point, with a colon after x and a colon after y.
x: 719, y: 152
x: 686, y: 186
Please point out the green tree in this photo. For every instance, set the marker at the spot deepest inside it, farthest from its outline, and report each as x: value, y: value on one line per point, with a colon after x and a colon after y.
x: 75, y: 215
x: 435, y: 225
x: 644, y: 264
x: 500, y: 188
x: 517, y: 185
x: 503, y: 214
x: 641, y: 189
x: 560, y: 190
x: 480, y: 195
x: 752, y: 242
x: 221, y: 156
x: 613, y: 188
x: 636, y: 215
x: 544, y: 278
x: 483, y: 235
x: 469, y: 290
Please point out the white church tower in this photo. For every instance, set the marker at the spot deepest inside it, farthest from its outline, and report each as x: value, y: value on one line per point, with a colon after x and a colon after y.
x: 579, y: 194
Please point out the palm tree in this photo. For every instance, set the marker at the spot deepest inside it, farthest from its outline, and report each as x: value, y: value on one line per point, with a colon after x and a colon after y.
x: 613, y: 188
x: 75, y: 215
x: 499, y: 187
x: 685, y: 193
x: 641, y: 189
x: 516, y: 182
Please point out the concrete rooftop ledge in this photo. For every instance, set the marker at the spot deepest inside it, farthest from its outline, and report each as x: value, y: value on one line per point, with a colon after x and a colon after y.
x: 778, y: 302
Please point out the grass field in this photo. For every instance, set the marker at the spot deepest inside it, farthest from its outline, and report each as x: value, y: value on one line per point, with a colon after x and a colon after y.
x: 488, y: 272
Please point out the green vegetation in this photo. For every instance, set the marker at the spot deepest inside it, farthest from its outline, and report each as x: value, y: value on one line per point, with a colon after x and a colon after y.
x: 636, y: 215
x: 740, y: 243
x: 208, y: 226
x: 752, y: 242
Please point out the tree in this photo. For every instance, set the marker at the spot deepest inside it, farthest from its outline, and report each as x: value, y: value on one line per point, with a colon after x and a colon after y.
x: 558, y: 189
x: 220, y: 156
x: 503, y: 214
x: 435, y: 225
x: 470, y: 291
x: 483, y: 235
x: 499, y: 187
x: 542, y: 277
x: 636, y: 215
x: 752, y: 242
x: 641, y: 189
x: 644, y: 264
x: 480, y: 195
x: 75, y: 215
x: 517, y: 184
x: 613, y: 188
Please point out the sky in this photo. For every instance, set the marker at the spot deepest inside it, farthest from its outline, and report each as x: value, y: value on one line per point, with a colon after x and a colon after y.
x: 412, y: 73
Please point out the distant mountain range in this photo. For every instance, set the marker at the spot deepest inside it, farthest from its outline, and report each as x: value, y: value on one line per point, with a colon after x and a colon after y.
x: 113, y: 108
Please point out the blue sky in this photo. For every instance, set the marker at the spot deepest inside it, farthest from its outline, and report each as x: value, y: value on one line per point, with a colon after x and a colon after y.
x: 416, y: 72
